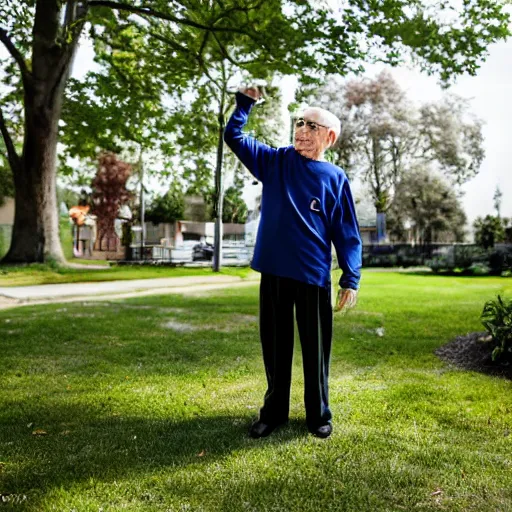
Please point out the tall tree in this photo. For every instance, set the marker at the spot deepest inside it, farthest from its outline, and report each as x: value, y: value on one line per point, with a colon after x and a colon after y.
x: 209, y: 110
x: 384, y: 135
x: 41, y: 37
x: 428, y: 206
x: 109, y: 194
x: 234, y: 207
x: 173, y: 125
x: 168, y: 207
x: 489, y: 230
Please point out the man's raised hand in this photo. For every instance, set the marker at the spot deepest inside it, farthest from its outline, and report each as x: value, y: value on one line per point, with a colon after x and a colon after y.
x: 251, y: 91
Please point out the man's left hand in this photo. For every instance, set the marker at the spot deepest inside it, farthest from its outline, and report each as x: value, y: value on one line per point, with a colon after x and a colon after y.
x: 347, y: 298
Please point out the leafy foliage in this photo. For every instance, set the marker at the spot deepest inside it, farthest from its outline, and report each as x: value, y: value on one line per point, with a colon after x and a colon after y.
x: 68, y: 197
x: 109, y: 194
x: 497, y: 319
x: 6, y: 183
x: 196, y: 127
x: 430, y: 206
x: 489, y: 230
x: 234, y: 208
x: 452, y: 137
x: 169, y: 207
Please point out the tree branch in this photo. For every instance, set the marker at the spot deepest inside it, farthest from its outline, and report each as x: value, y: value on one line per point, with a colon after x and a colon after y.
x: 148, y: 11
x: 173, y: 44
x: 69, y: 15
x: 203, y: 44
x: 15, y: 54
x: 245, y: 9
x: 12, y: 156
x: 224, y: 51
x: 176, y: 46
x: 241, y: 63
x: 74, y: 23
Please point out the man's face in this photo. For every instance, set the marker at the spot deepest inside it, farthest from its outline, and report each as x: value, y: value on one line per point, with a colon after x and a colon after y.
x: 312, y: 137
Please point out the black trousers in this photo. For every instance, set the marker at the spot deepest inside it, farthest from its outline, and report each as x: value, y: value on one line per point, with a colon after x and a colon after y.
x: 313, y: 310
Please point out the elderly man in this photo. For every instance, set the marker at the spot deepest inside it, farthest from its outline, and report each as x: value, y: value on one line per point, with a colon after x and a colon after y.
x: 306, y: 205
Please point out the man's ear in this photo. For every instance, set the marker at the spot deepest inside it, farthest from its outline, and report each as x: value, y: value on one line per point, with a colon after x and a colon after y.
x: 332, y: 138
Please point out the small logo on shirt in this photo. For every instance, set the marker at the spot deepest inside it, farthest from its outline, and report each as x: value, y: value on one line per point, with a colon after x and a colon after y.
x: 314, y: 205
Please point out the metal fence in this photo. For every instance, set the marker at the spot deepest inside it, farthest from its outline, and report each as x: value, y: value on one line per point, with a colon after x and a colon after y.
x: 439, y: 256
x: 233, y: 253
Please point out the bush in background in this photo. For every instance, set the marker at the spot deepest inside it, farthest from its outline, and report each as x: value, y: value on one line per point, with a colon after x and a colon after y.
x: 497, y: 319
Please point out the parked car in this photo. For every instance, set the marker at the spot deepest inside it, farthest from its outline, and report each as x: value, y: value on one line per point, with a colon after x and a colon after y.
x: 202, y: 251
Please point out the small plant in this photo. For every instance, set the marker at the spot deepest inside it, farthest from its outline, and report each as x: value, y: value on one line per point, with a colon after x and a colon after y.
x: 497, y: 319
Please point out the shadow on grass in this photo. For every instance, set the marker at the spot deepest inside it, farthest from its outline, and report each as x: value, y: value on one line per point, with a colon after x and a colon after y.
x: 81, y: 445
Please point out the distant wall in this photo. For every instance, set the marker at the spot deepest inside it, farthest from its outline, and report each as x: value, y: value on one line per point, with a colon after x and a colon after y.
x: 7, y: 212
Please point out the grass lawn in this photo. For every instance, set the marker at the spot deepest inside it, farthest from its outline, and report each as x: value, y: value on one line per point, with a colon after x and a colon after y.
x: 47, y: 274
x: 144, y: 405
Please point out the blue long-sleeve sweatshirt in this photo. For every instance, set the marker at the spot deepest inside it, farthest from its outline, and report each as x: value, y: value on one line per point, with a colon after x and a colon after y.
x: 306, y: 205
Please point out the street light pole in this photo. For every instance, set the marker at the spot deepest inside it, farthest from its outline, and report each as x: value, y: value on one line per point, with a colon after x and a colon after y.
x: 142, y: 207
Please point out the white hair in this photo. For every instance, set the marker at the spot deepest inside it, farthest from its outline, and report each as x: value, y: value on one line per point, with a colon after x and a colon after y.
x: 325, y: 118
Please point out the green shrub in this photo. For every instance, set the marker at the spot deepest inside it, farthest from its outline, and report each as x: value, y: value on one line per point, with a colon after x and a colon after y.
x: 497, y: 319
x: 478, y: 269
x: 66, y: 237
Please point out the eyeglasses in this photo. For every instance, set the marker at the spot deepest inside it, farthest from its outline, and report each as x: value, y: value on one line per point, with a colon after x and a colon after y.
x: 310, y: 124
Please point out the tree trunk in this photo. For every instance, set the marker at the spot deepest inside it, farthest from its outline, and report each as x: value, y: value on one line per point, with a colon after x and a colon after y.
x: 35, y: 234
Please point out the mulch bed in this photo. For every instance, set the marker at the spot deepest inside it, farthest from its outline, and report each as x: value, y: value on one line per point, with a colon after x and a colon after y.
x: 471, y: 353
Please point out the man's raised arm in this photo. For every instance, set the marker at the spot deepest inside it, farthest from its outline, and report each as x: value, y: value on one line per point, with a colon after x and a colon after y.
x: 253, y: 154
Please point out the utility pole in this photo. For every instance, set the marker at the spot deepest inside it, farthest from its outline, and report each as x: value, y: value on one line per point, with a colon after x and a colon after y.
x: 142, y: 207
x: 219, y: 192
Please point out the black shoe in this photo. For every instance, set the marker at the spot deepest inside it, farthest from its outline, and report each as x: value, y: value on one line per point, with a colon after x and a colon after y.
x: 259, y: 429
x: 322, y: 431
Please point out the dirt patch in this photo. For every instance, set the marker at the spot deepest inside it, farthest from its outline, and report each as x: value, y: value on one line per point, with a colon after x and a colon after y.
x: 471, y: 353
x: 181, y: 327
x: 244, y: 319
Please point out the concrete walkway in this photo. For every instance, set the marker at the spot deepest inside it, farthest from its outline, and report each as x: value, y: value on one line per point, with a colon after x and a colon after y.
x: 107, y: 290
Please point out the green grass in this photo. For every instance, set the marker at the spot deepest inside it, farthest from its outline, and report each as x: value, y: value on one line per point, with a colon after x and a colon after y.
x: 53, y: 274
x: 143, y: 417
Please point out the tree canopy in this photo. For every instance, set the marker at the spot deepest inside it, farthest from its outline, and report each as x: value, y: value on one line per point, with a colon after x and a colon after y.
x: 428, y: 206
x: 385, y: 136
x: 168, y: 207
x: 490, y: 230
x: 166, y: 43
